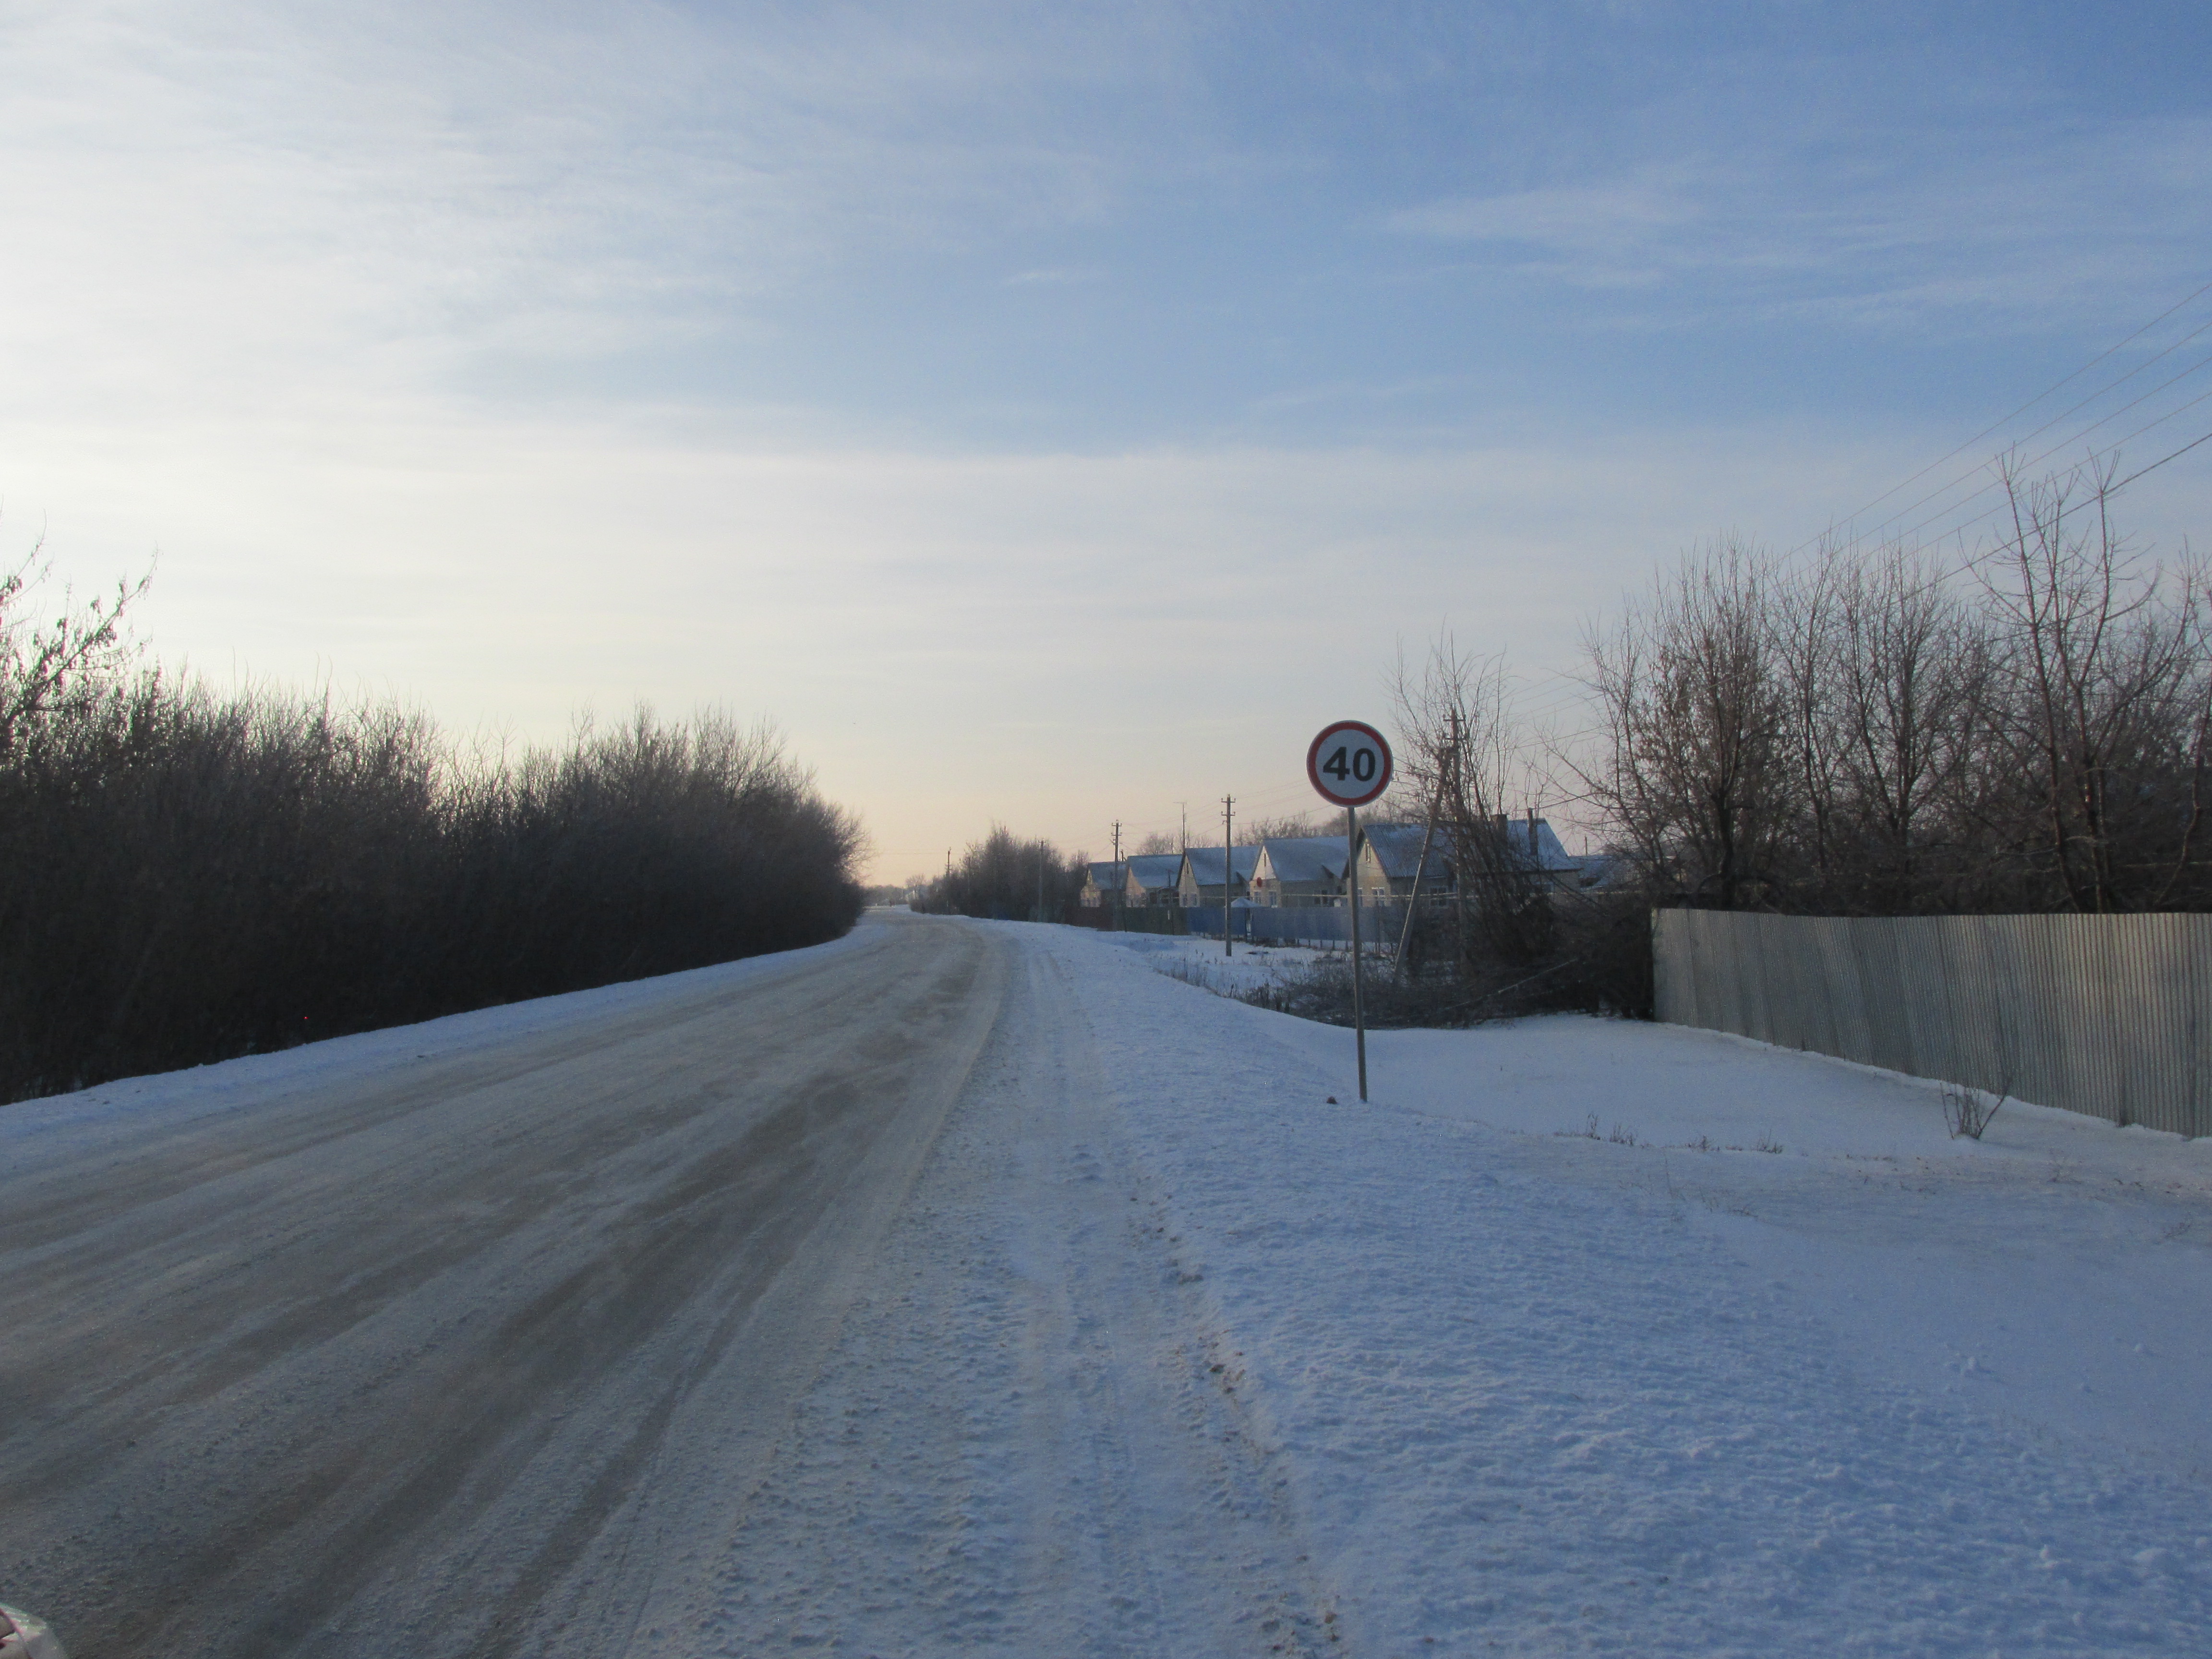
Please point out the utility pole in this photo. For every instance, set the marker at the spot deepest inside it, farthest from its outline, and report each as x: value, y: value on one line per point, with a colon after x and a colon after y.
x: 1414, y: 903
x: 1228, y: 866
x: 1121, y: 876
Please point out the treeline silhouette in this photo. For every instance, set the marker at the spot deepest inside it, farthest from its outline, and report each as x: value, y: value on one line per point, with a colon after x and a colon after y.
x: 1872, y: 733
x: 1007, y: 879
x: 186, y: 876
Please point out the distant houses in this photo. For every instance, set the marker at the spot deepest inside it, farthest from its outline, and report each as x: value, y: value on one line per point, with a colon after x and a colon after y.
x: 1392, y: 856
x: 1200, y: 879
x: 1310, y: 870
x: 1524, y: 848
x: 1291, y: 871
x: 1300, y: 870
x: 1100, y: 882
x: 1153, y: 879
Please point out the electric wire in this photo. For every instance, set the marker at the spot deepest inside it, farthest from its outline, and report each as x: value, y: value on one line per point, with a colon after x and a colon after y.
x: 2075, y: 437
x: 1998, y: 425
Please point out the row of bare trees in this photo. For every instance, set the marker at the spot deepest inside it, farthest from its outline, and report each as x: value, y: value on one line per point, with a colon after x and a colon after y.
x: 1872, y: 733
x: 1872, y: 730
x: 186, y: 875
x: 1006, y: 878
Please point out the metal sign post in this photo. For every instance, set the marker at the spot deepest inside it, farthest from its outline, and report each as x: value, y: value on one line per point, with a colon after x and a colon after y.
x: 1349, y: 765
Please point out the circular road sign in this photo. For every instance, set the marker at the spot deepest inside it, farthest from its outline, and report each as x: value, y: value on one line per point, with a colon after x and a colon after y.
x: 1349, y: 763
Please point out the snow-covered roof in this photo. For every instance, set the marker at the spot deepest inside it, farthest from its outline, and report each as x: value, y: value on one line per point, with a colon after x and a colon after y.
x: 1549, y: 856
x: 1549, y: 853
x: 1155, y: 871
x: 1398, y: 848
x: 1600, y: 869
x: 1305, y: 858
x: 1206, y: 864
x: 1105, y: 874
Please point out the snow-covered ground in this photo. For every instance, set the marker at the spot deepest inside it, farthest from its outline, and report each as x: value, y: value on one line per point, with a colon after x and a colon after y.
x: 1586, y: 1336
x: 1202, y: 962
x: 1581, y: 1337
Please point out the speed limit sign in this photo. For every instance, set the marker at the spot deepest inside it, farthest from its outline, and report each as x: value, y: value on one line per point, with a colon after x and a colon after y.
x: 1349, y: 763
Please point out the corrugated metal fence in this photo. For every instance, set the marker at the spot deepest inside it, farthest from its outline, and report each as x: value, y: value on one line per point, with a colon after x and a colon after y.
x: 2106, y: 1015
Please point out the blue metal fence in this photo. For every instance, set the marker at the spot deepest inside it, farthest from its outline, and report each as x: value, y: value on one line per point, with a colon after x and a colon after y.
x: 1300, y: 924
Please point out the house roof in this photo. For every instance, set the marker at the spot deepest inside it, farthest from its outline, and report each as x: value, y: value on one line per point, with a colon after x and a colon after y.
x: 1306, y: 858
x: 1398, y: 848
x: 1549, y: 854
x: 1206, y: 864
x: 1155, y: 871
x: 1105, y: 874
x: 1601, y: 869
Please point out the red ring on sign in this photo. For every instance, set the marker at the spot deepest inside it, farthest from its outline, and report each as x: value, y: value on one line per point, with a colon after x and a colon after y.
x: 1382, y: 773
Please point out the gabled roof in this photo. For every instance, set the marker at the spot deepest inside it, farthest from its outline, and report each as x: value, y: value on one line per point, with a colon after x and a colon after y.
x: 1601, y: 869
x: 1306, y: 858
x: 1155, y: 871
x: 1398, y: 847
x: 1549, y: 854
x: 1206, y: 864
x: 1105, y: 874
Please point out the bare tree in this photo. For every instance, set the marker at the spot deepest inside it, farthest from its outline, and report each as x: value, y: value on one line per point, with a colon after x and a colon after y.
x: 1695, y: 775
x: 1909, y: 676
x: 41, y: 662
x: 1284, y: 826
x: 2105, y: 675
x: 1464, y: 752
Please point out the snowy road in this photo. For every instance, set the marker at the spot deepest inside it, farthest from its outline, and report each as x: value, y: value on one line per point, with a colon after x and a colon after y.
x: 970, y: 1288
x: 518, y: 1344
x: 446, y: 1357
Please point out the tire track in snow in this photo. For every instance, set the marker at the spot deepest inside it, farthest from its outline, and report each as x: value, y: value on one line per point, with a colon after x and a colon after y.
x: 1029, y: 1440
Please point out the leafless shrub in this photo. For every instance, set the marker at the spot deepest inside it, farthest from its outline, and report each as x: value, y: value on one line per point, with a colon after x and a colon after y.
x: 186, y: 876
x: 1967, y: 1112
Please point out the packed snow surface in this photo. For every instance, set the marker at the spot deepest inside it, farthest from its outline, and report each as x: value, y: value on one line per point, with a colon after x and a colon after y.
x: 1591, y: 1336
x: 1581, y: 1336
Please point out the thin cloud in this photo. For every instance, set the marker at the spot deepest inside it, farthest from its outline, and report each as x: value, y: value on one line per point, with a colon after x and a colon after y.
x: 2043, y: 235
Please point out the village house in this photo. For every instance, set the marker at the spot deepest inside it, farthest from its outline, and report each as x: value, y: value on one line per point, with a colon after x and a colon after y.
x: 1099, y: 882
x: 1200, y: 881
x: 1153, y: 879
x: 1386, y: 861
x: 1299, y: 870
x: 1390, y: 854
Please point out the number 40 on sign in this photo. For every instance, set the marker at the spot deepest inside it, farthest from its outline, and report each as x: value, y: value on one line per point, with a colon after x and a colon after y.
x: 1349, y: 763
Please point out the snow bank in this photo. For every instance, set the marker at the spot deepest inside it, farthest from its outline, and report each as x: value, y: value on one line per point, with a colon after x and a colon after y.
x: 52, y: 1126
x: 1558, y: 1360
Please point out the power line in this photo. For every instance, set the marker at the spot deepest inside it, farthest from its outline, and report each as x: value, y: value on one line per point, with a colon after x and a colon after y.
x: 2073, y: 439
x: 2162, y: 460
x: 1998, y: 423
x: 2108, y: 453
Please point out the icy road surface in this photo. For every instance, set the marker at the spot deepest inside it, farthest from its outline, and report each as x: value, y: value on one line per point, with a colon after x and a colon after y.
x: 978, y: 1289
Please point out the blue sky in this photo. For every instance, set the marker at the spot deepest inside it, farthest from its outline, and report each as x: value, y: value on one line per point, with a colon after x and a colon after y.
x: 1046, y: 414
